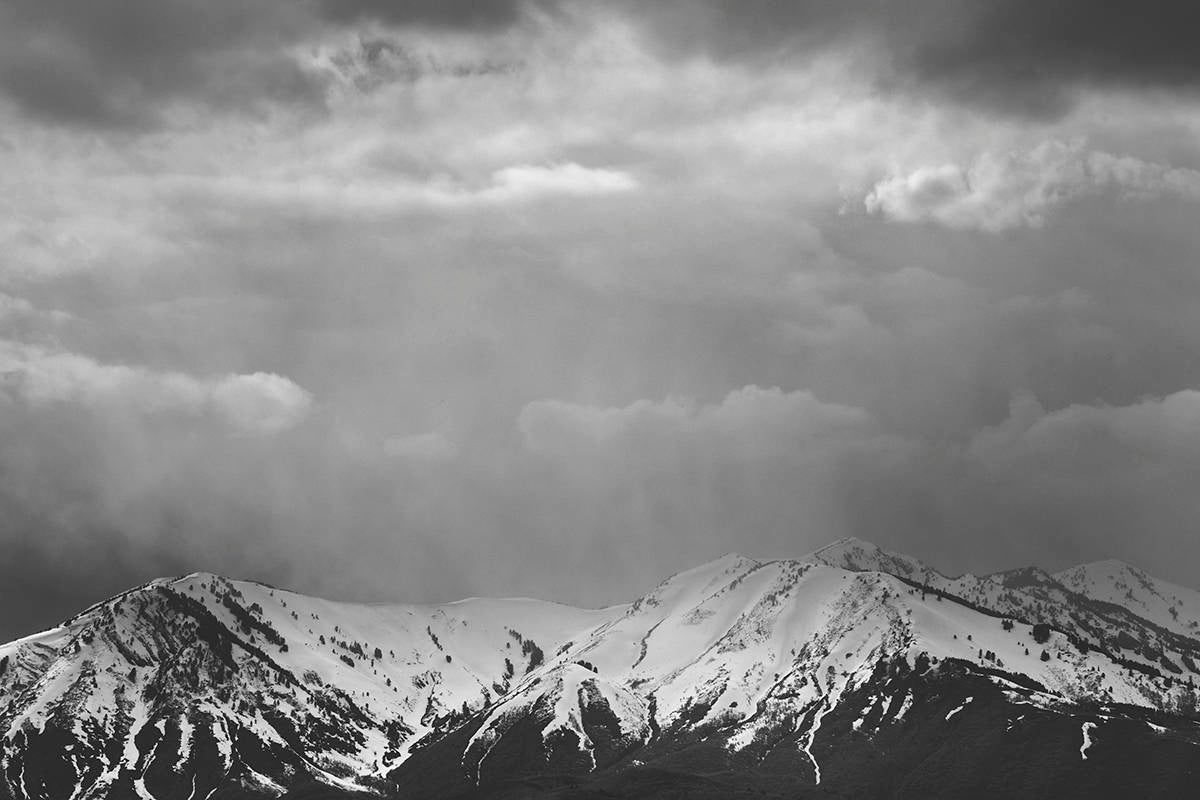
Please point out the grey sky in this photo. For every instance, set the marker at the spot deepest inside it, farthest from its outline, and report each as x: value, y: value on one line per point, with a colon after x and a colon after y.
x: 423, y: 300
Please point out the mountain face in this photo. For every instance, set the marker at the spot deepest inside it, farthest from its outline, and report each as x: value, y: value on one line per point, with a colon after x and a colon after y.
x: 850, y: 673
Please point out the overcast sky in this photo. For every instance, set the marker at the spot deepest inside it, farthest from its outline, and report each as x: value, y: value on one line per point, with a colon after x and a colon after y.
x: 416, y: 300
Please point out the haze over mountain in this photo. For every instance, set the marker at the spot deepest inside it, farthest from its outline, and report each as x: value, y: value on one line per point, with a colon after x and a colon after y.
x: 851, y: 672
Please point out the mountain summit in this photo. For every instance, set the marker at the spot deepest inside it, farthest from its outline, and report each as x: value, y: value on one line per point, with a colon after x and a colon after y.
x: 852, y: 672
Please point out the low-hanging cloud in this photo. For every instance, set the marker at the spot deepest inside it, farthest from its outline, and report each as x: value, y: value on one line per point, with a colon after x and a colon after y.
x: 1079, y: 474
x: 1000, y: 191
x: 333, y: 197
x: 1088, y: 440
x: 761, y: 461
x: 529, y: 181
x: 753, y: 419
x: 1053, y: 481
x: 259, y: 402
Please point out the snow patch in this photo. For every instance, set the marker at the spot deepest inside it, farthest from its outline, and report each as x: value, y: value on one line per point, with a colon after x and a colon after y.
x: 904, y: 706
x: 1087, y: 740
x: 954, y: 711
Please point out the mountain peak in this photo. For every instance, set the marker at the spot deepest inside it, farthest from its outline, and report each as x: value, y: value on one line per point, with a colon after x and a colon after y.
x: 1106, y: 564
x: 728, y: 563
x: 696, y: 581
x: 847, y: 543
x: 1173, y: 607
x: 857, y: 555
x: 1107, y: 570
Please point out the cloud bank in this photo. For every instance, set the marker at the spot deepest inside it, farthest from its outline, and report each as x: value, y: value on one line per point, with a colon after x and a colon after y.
x: 1002, y: 191
x: 135, y: 65
x: 417, y: 301
x: 257, y: 403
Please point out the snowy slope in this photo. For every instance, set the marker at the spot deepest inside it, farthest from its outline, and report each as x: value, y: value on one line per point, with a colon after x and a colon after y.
x: 183, y: 686
x: 1120, y: 611
x: 859, y: 556
x: 1173, y: 607
x: 747, y: 647
x: 337, y: 690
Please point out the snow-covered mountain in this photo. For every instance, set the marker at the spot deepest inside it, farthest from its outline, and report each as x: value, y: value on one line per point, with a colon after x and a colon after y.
x: 819, y: 672
x: 1175, y: 608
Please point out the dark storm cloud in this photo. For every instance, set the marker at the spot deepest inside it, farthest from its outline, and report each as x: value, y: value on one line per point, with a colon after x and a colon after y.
x: 466, y: 14
x: 112, y: 63
x: 1027, y: 56
x: 119, y: 64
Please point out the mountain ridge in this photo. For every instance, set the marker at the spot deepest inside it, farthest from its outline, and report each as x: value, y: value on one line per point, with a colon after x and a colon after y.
x: 235, y: 686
